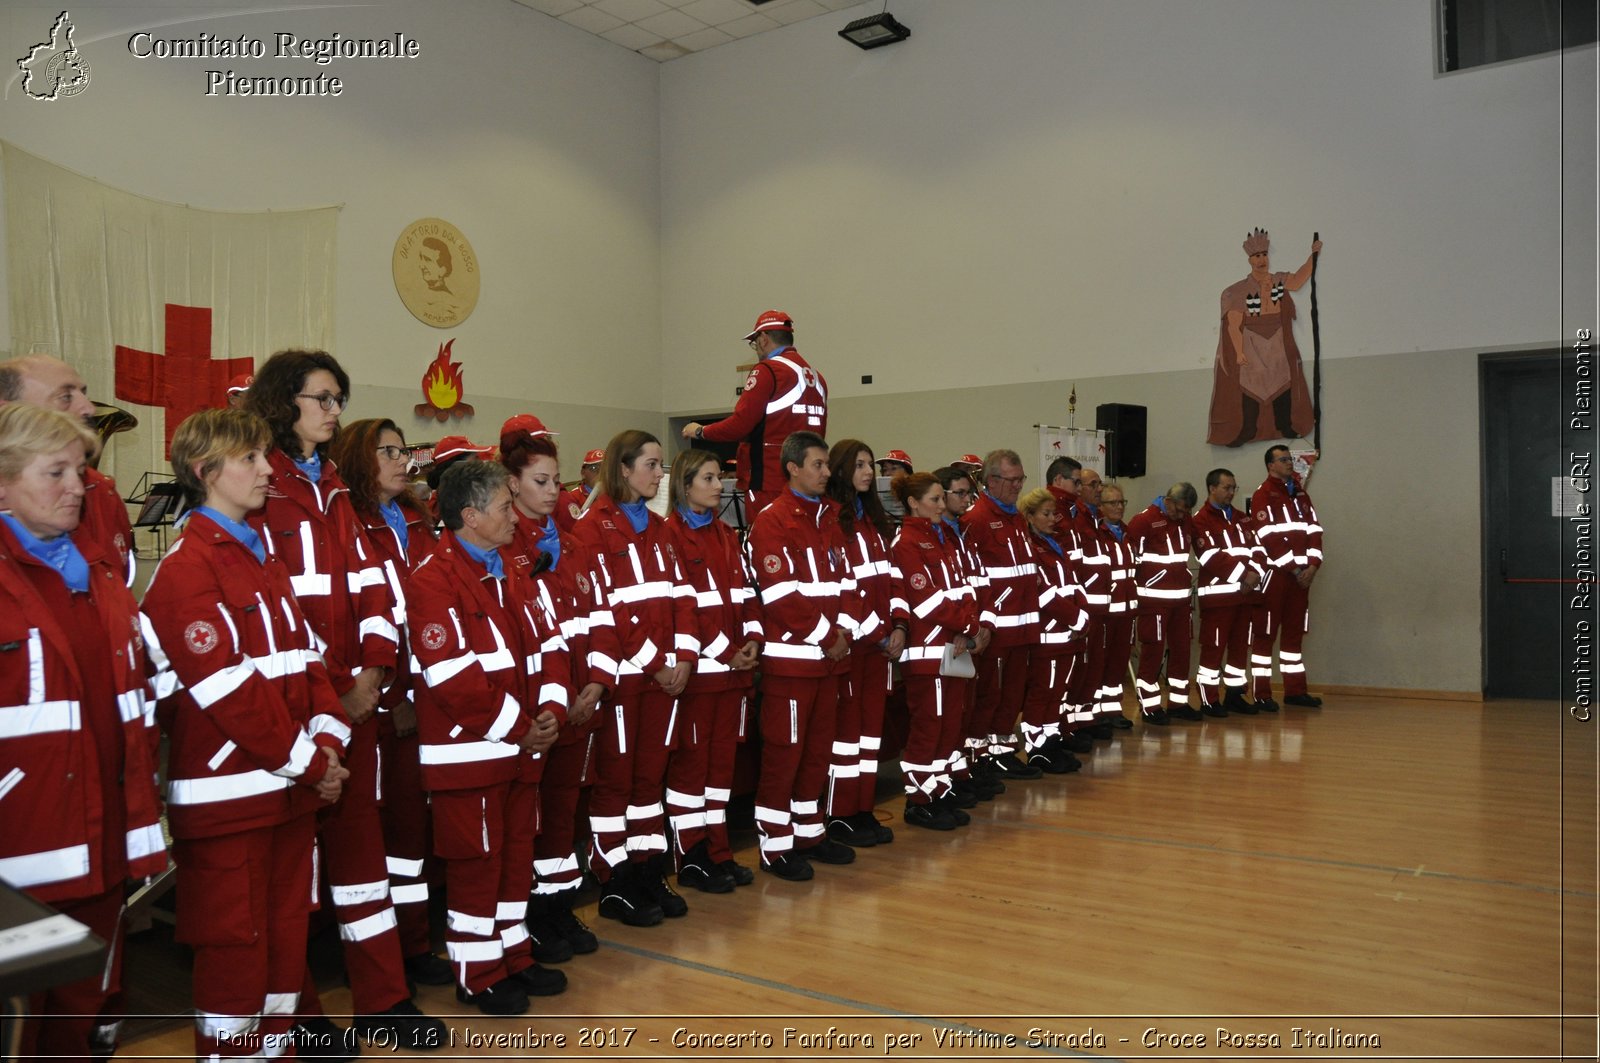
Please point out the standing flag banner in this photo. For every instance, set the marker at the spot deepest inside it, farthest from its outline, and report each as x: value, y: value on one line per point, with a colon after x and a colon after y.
x: 158, y: 304
x: 1088, y: 445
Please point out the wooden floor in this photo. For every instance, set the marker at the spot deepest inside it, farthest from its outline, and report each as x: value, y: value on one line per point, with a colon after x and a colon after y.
x: 1418, y: 874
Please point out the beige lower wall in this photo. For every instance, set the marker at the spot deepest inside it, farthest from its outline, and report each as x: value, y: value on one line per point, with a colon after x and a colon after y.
x: 1399, y: 601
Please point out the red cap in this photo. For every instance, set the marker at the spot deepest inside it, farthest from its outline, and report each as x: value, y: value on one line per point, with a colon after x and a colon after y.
x: 455, y: 446
x: 240, y: 383
x: 525, y: 424
x: 594, y: 457
x: 971, y: 461
x: 771, y: 319
x: 898, y: 456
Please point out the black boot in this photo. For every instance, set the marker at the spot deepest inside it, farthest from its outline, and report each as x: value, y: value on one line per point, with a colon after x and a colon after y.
x: 569, y: 926
x: 658, y: 889
x: 623, y: 898
x: 549, y: 945
x: 697, y: 871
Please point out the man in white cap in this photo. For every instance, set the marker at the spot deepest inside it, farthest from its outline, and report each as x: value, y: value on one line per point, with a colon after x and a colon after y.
x: 782, y: 395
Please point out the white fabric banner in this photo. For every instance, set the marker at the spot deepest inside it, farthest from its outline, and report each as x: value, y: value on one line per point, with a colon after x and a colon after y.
x: 92, y: 267
x: 1087, y: 445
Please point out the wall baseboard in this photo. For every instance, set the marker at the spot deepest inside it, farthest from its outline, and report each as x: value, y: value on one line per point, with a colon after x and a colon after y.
x: 1403, y: 693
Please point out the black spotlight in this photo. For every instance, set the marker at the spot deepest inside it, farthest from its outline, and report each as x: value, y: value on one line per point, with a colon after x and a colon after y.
x: 874, y: 31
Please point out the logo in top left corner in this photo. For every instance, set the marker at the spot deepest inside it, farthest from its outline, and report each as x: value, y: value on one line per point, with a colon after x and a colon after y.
x: 55, y: 69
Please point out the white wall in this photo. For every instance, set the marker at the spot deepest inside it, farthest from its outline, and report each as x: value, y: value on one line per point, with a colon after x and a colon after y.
x: 539, y: 141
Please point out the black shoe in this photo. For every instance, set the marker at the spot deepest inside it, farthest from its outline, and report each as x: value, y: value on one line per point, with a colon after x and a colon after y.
x: 868, y: 820
x: 699, y: 873
x: 1265, y: 705
x: 569, y: 926
x: 930, y: 816
x: 1184, y: 712
x: 1157, y: 718
x: 1055, y: 761
x: 789, y: 866
x: 987, y: 787
x: 1234, y: 700
x: 1244, y: 708
x: 1303, y: 701
x: 848, y: 831
x: 624, y: 899
x: 1120, y: 722
x: 962, y: 798
x: 741, y: 875
x: 1100, y: 731
x: 505, y: 997
x: 548, y: 943
x: 1008, y: 766
x: 318, y: 1038
x: 980, y: 768
x: 1210, y: 708
x: 1077, y: 742
x: 959, y: 815
x: 427, y: 969
x: 654, y: 883
x: 539, y: 981
x: 404, y: 1027
x: 827, y: 851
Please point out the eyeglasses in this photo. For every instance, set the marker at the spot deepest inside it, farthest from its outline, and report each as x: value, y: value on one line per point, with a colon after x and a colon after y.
x: 752, y: 343
x: 1014, y: 481
x: 392, y: 453
x: 961, y: 492
x: 328, y: 402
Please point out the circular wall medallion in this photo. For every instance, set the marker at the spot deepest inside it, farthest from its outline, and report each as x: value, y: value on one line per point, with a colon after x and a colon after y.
x: 436, y: 272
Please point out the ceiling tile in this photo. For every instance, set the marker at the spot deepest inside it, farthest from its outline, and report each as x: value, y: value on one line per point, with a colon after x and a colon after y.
x: 748, y: 26
x: 671, y: 24
x: 552, y: 7
x: 632, y: 37
x: 793, y: 11
x: 709, y: 37
x: 587, y: 18
x: 630, y: 10
x: 714, y: 12
x: 664, y: 51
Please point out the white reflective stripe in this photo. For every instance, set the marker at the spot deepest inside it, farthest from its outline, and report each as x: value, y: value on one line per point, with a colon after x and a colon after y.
x: 1150, y: 557
x: 553, y: 693
x: 225, y: 1027
x: 500, y: 658
x: 54, y: 865
x: 379, y: 626
x: 222, y: 754
x: 608, y: 824
x: 647, y: 843
x: 19, y: 721
x: 645, y: 811
x: 787, y: 399
x: 1011, y: 571
x: 1157, y: 592
x: 10, y: 780
x: 509, y: 712
x: 641, y: 592
x: 415, y: 893
x: 922, y: 653
x: 551, y: 866
x: 465, y: 752
x: 130, y: 705
x: 716, y: 647
x: 281, y: 1004
x: 322, y: 723
x: 924, y: 608
x: 708, y: 599
x: 513, y: 935
x: 219, y: 684
x: 784, y: 649
x: 403, y: 868
x: 511, y: 910
x: 1021, y: 620
x: 686, y: 643
x: 646, y: 654
x: 360, y: 892
x: 370, y: 927
x: 224, y: 788
x: 311, y: 584
x: 447, y: 669
x: 474, y: 951
x: 299, y: 757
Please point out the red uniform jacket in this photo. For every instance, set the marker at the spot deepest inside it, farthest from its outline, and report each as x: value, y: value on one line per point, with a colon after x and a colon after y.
x: 1063, y: 612
x: 881, y: 598
x: 782, y: 395
x: 644, y: 596
x: 569, y: 507
x: 725, y: 600
x: 1088, y: 562
x: 397, y: 565
x: 105, y: 522
x: 1010, y: 602
x: 569, y: 595
x: 807, y: 590
x: 941, y: 605
x: 335, y: 572
x: 1286, y: 525
x: 491, y: 659
x: 1161, y: 549
x: 1227, y: 549
x: 1124, y: 574
x: 246, y: 701
x: 51, y: 799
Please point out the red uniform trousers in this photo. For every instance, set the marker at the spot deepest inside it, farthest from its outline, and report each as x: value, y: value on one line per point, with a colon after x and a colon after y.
x: 406, y: 837
x: 933, y: 736
x: 1116, y: 652
x: 555, y: 850
x: 1002, y: 683
x: 60, y: 1022
x: 1224, y: 650
x: 1164, y: 634
x: 351, y: 846
x: 797, y: 721
x: 1283, y: 617
x: 635, y: 737
x: 244, y: 900
x: 858, y: 733
x: 729, y: 722
x: 1050, y: 676
x: 485, y: 836
x: 1086, y: 681
x: 686, y: 774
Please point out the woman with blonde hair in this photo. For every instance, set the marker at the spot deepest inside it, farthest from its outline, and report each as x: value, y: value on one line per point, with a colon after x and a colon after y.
x: 1063, y: 619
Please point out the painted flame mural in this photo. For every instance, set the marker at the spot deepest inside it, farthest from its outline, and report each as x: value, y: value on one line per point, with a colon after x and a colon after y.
x: 442, y: 388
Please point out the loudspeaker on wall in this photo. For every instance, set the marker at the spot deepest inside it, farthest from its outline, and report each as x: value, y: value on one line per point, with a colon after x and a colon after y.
x: 1125, y: 446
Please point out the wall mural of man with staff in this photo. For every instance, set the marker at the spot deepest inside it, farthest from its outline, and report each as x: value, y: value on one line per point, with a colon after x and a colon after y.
x: 1259, y: 390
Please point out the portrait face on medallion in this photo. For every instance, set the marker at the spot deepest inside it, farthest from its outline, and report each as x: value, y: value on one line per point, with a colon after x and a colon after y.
x: 436, y: 273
